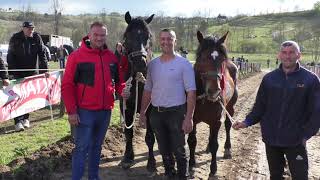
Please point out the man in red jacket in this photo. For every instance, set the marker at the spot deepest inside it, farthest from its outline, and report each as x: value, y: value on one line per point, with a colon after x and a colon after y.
x: 89, y: 84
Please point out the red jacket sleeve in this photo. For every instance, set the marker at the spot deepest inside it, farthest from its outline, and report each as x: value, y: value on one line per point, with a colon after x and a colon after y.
x: 68, y: 89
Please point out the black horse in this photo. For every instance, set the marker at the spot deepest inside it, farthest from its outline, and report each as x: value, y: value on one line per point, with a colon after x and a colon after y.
x: 137, y: 39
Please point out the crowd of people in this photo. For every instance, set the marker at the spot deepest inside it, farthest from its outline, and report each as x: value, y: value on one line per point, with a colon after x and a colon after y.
x: 287, y: 104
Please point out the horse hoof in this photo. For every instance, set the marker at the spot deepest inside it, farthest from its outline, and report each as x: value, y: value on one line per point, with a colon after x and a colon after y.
x: 192, y: 163
x: 227, y: 156
x: 151, y: 165
x: 191, y: 172
x: 126, y: 164
x: 207, y: 149
x: 213, y: 169
x: 211, y: 175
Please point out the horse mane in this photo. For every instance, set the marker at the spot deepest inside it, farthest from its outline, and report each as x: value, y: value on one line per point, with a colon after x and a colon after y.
x: 209, y: 42
x: 137, y: 23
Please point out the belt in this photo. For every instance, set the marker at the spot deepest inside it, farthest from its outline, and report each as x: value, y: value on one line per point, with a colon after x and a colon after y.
x: 165, y: 109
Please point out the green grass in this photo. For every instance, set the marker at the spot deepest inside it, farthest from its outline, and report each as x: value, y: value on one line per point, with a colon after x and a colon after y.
x: 26, y: 142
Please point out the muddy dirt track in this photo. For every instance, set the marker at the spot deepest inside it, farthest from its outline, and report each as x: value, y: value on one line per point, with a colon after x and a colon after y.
x: 248, y: 155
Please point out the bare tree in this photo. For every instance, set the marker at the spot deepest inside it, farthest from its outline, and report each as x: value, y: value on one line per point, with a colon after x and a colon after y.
x: 57, y: 7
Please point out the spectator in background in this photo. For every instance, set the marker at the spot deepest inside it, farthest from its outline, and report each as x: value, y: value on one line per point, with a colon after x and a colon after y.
x: 183, y: 52
x: 118, y: 51
x: 149, y: 54
x: 268, y: 63
x: 62, y: 55
x: 47, y: 52
x: 4, y: 74
x: 25, y: 51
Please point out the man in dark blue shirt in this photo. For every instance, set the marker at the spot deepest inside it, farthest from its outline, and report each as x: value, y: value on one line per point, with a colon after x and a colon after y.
x: 288, y: 109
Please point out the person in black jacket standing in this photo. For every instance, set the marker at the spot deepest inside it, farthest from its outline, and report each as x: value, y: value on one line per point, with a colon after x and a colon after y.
x: 25, y: 50
x: 288, y: 109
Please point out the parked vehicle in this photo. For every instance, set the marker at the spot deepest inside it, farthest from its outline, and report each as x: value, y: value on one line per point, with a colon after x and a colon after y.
x: 53, y: 42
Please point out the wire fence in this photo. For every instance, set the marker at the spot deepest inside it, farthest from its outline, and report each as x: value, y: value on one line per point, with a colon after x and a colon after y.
x: 315, y: 69
x: 246, y: 68
x: 58, y: 110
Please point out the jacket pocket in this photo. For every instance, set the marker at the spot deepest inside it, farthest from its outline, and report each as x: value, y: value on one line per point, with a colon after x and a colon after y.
x: 85, y: 74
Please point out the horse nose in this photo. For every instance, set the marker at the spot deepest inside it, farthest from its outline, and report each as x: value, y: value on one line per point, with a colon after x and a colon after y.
x: 214, y: 93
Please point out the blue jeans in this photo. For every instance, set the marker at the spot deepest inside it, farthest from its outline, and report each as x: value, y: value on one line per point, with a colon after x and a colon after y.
x: 89, y: 136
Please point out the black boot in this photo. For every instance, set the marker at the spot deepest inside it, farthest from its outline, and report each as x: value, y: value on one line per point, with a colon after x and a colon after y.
x: 168, y: 162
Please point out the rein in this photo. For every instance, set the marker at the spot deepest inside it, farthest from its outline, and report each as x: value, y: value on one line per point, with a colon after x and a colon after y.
x: 139, y: 78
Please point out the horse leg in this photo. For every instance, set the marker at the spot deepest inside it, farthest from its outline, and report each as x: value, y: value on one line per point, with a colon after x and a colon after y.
x: 213, y: 144
x: 150, y: 139
x: 227, y: 144
x: 228, y: 124
x: 192, y: 142
x: 128, y: 159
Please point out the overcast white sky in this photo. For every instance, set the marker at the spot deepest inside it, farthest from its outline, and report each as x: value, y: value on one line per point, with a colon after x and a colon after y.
x: 185, y: 8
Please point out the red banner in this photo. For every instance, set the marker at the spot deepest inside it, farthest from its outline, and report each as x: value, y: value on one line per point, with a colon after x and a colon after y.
x: 29, y: 94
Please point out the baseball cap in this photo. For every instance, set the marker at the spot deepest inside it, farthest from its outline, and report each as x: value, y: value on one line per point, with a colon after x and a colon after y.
x: 27, y: 24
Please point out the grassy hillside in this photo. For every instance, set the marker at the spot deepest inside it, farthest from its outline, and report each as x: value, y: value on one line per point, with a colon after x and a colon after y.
x: 247, y: 34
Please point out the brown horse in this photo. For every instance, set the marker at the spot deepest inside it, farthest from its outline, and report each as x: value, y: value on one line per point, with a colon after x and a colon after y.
x: 216, y: 78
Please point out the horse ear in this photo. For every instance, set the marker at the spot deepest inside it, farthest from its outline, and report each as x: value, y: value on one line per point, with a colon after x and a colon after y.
x: 149, y: 19
x: 199, y: 36
x: 223, y: 38
x: 127, y: 17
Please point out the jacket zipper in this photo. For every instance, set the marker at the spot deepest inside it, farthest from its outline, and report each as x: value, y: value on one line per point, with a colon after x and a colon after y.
x: 24, y: 49
x: 103, y: 87
x: 282, y: 105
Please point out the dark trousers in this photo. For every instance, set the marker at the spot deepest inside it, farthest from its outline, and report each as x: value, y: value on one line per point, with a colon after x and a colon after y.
x: 62, y: 63
x: 167, y: 126
x: 297, y: 160
x: 21, y: 118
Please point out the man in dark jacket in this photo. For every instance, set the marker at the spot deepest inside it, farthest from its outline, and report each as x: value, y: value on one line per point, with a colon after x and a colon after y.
x: 288, y: 109
x: 25, y: 50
